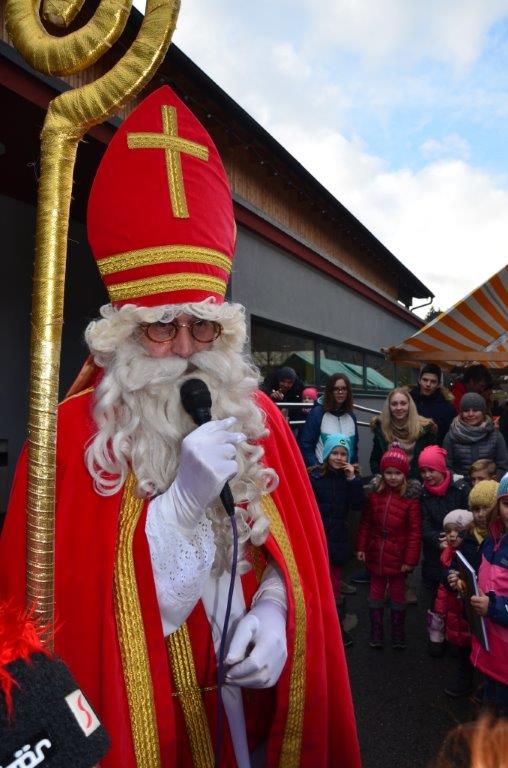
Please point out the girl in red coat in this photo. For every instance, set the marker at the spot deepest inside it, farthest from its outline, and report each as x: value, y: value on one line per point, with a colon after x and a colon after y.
x: 389, y: 542
x: 449, y: 606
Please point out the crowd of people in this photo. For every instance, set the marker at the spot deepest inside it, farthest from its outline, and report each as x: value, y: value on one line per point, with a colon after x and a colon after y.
x: 437, y: 486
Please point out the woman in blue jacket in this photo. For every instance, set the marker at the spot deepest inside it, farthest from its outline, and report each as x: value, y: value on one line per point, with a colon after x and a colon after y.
x: 332, y: 415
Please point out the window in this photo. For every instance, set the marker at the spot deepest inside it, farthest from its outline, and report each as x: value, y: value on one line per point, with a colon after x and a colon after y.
x: 407, y: 376
x: 273, y: 348
x: 315, y: 359
x: 334, y: 358
x: 379, y: 373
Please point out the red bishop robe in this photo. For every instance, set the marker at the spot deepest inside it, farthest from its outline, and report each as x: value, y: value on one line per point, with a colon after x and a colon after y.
x: 156, y: 696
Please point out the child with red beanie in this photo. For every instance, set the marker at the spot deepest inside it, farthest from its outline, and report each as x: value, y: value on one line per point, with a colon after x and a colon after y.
x: 389, y: 541
x: 440, y: 495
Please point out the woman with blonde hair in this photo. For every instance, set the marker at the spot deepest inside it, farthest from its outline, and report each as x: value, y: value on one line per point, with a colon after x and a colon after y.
x: 400, y: 423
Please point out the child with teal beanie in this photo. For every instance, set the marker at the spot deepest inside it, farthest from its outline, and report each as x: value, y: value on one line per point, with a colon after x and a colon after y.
x: 338, y: 489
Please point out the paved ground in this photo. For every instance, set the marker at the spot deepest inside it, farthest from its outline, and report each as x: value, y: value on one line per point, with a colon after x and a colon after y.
x: 401, y: 710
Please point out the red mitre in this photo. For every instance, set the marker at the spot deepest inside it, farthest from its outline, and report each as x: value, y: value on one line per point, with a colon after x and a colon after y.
x: 160, y: 215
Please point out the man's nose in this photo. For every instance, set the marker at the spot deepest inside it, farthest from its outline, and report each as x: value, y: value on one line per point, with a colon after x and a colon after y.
x: 183, y: 344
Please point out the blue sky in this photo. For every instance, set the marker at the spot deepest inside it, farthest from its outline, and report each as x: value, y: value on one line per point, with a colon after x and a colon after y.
x: 400, y: 107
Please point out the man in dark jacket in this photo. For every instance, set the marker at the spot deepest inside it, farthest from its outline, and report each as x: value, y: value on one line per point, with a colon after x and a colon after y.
x: 284, y: 386
x: 431, y: 401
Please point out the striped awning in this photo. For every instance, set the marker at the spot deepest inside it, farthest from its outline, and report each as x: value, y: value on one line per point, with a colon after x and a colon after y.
x: 474, y: 330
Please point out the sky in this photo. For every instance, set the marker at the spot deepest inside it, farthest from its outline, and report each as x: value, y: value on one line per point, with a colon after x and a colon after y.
x: 398, y: 107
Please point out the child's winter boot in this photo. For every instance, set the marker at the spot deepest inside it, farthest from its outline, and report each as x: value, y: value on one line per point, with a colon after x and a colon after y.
x: 341, y: 610
x: 398, y: 620
x: 376, y: 627
x: 435, y: 628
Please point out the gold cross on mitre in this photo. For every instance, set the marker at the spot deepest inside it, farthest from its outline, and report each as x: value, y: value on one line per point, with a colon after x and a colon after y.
x: 173, y: 145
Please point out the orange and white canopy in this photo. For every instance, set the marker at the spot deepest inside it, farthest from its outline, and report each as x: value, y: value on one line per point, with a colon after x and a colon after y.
x: 473, y: 330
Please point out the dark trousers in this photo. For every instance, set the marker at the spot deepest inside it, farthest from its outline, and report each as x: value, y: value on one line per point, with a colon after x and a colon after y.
x: 496, y: 695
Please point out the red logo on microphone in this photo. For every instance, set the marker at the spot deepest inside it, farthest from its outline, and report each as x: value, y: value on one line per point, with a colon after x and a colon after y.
x: 82, y: 711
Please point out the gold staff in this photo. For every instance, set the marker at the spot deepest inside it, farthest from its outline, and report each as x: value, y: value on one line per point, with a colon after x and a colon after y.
x: 70, y: 115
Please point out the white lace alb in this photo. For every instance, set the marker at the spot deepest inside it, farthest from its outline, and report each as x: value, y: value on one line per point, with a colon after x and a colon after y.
x: 181, y: 562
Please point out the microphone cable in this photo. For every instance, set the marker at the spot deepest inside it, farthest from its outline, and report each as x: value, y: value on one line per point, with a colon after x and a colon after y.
x: 222, y: 648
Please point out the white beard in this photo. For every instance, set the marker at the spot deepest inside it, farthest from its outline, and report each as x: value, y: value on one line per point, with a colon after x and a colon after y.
x: 141, y: 424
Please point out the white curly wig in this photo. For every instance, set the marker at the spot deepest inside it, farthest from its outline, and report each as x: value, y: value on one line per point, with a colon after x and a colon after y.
x: 141, y: 423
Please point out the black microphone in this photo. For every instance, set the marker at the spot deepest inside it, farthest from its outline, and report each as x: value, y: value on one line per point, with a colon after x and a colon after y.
x: 44, y: 716
x: 197, y: 402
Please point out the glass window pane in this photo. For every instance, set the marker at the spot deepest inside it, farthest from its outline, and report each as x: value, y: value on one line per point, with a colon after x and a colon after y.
x: 273, y: 348
x: 334, y: 358
x: 379, y: 372
x: 407, y: 375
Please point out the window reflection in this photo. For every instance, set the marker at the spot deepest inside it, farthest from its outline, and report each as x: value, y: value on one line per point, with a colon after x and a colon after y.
x: 273, y: 348
x: 407, y: 376
x: 334, y: 358
x: 380, y: 373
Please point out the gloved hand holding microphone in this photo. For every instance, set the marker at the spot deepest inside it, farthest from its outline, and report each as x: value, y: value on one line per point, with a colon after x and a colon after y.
x: 207, y: 462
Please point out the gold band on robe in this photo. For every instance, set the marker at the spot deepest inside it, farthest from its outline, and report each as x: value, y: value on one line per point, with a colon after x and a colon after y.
x: 293, y: 733
x: 187, y: 689
x: 131, y: 636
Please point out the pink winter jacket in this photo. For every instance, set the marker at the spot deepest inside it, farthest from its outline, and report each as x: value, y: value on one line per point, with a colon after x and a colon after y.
x: 493, y: 580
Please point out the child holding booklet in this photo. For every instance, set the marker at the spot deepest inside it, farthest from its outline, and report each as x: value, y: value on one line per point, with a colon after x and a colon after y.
x: 449, y: 606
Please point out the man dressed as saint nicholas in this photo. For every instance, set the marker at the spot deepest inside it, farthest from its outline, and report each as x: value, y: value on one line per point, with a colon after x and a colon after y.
x: 143, y: 547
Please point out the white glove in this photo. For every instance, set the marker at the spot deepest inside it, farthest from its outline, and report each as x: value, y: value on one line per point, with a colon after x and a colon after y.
x: 264, y: 628
x: 207, y: 461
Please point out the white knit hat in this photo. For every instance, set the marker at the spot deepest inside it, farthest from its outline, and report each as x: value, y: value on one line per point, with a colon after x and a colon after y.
x: 459, y: 517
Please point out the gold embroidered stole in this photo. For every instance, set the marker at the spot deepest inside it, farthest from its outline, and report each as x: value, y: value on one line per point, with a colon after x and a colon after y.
x: 293, y: 733
x: 131, y: 636
x: 135, y: 660
x: 190, y: 696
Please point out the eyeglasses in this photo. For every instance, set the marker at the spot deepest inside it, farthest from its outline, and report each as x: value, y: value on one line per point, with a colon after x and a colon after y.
x: 339, y: 389
x: 205, y: 331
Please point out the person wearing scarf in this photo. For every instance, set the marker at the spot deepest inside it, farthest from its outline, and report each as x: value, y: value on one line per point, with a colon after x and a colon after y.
x: 472, y: 436
x: 400, y: 423
x: 440, y: 495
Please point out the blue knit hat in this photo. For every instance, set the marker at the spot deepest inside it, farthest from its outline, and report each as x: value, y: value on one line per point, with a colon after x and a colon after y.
x: 333, y: 441
x: 503, y: 487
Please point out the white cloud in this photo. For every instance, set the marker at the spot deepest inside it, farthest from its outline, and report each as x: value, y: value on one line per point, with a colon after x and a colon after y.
x: 452, y: 145
x: 453, y: 31
x: 289, y: 62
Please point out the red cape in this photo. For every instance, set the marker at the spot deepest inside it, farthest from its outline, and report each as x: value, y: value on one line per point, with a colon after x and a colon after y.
x: 311, y: 712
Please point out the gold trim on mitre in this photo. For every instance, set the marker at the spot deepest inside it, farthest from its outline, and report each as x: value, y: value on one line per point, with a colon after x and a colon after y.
x: 173, y: 146
x: 164, y: 254
x: 180, y: 281
x: 293, y: 732
x: 131, y: 636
